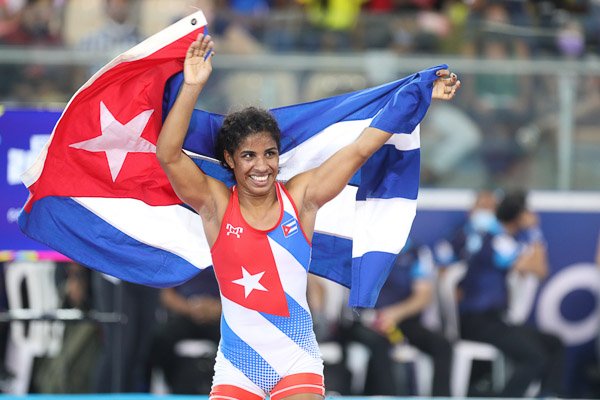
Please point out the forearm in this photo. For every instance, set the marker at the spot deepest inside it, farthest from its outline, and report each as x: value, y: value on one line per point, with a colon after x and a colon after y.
x: 416, y: 303
x: 174, y: 129
x: 533, y: 261
x: 174, y: 302
x: 409, y: 308
x: 333, y: 175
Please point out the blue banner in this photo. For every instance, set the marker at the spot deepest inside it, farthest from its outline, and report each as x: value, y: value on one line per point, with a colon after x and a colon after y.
x: 23, y: 134
x: 567, y: 302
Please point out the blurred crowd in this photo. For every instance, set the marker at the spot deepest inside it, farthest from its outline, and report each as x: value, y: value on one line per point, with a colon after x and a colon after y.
x: 452, y: 319
x: 504, y: 124
x: 548, y: 27
x: 475, y: 28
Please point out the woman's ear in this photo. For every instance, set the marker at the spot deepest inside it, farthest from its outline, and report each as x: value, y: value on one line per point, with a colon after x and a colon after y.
x: 228, y: 159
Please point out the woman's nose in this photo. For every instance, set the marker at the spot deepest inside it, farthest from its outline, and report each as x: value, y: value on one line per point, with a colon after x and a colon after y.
x: 261, y: 162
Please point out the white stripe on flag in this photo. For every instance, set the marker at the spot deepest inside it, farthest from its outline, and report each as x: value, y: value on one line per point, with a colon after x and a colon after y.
x: 385, y: 225
x: 337, y: 216
x: 171, y: 228
x: 318, y: 148
x: 410, y: 141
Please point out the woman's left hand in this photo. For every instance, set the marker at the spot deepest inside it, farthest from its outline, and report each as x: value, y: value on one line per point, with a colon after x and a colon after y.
x: 445, y: 87
x: 197, y: 66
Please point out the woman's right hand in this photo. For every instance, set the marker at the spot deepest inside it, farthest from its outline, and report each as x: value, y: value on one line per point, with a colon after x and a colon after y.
x: 198, y: 65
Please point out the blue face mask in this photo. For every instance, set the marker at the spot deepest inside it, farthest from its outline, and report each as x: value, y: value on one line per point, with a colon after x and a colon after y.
x: 483, y: 221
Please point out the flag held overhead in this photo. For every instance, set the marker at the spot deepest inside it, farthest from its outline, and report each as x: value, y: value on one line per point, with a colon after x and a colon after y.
x: 99, y: 196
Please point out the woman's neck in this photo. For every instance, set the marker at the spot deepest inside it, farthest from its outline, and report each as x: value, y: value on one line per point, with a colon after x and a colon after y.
x: 260, y: 211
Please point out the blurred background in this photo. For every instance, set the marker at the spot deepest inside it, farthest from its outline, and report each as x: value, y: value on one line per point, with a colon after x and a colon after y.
x: 527, y: 117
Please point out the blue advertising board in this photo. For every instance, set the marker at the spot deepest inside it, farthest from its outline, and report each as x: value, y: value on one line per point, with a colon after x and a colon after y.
x: 567, y: 302
x: 23, y: 134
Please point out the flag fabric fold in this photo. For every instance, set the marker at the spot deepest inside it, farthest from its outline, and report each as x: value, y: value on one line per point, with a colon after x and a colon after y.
x: 99, y: 196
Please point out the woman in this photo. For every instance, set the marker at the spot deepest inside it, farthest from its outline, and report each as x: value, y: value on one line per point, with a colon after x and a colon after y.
x: 260, y: 236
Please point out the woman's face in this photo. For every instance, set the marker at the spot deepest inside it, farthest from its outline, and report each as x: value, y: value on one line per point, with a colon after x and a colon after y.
x: 255, y: 163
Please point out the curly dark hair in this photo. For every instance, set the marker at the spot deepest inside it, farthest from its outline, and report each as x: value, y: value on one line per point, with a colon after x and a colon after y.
x: 511, y: 206
x: 241, y: 124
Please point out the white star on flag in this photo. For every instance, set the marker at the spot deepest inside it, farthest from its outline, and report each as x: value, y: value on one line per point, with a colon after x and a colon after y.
x: 117, y: 140
x: 250, y: 282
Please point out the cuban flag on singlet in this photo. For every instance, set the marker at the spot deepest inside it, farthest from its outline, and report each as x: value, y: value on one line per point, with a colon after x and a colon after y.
x: 99, y: 196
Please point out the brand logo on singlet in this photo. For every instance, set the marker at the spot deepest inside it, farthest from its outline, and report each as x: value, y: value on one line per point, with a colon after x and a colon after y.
x: 289, y: 227
x: 234, y: 230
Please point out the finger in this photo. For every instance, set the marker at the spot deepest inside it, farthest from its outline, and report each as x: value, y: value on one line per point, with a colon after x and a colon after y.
x: 209, y: 55
x: 193, y: 46
x: 443, y: 73
x: 454, y: 89
x: 206, y: 40
x: 450, y: 80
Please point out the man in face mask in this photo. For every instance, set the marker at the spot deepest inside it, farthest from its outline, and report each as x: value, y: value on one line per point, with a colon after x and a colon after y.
x: 467, y: 239
x: 513, y: 243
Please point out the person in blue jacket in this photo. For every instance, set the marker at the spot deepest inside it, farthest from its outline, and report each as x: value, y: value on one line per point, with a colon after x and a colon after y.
x: 513, y: 242
x: 406, y: 294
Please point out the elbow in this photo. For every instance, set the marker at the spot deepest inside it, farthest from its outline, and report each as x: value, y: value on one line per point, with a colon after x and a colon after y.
x: 166, y: 157
x: 363, y: 153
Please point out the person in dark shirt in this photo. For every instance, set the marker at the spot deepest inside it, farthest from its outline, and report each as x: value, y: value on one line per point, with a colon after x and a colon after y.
x: 407, y: 292
x: 512, y: 242
x: 194, y: 312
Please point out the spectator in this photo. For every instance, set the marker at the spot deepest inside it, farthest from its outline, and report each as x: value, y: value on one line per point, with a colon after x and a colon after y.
x: 118, y: 33
x: 330, y: 23
x: 500, y: 102
x: 450, y: 138
x: 326, y: 300
x: 71, y: 370
x: 124, y: 365
x: 194, y: 312
x: 227, y: 30
x: 513, y: 242
x: 407, y: 292
x: 5, y: 375
x: 480, y: 219
x: 37, y: 22
x: 34, y: 23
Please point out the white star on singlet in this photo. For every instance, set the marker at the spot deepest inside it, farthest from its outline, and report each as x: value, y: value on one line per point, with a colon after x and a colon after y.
x: 117, y: 140
x: 250, y: 282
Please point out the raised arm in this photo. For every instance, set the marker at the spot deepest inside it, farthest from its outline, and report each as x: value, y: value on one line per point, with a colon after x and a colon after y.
x: 314, y: 188
x: 191, y: 185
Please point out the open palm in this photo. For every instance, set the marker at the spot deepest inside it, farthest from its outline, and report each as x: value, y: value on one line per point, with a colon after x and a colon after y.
x: 198, y: 65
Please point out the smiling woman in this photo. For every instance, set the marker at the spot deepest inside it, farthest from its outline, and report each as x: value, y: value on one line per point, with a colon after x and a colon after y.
x: 248, y: 144
x: 260, y: 234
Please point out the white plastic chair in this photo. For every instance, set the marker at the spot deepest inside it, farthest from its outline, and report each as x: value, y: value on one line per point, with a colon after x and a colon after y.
x: 430, y: 317
x: 42, y: 337
x: 465, y: 351
x: 522, y: 290
x: 423, y: 364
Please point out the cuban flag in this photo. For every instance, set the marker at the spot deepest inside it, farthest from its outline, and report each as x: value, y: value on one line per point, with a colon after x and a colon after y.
x: 99, y: 196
